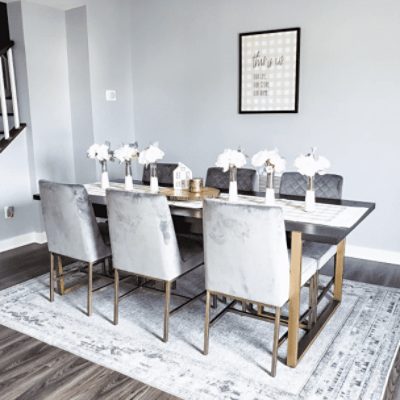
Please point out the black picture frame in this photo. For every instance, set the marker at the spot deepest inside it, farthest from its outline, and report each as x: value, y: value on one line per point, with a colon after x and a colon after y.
x: 263, y: 62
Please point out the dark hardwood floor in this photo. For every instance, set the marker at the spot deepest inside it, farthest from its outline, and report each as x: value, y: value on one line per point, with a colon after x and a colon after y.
x: 32, y: 370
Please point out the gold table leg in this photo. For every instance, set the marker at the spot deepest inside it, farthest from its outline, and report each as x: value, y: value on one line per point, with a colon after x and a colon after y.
x: 339, y: 267
x: 294, y: 299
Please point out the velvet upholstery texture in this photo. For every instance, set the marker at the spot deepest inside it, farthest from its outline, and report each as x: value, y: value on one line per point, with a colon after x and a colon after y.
x: 165, y: 173
x: 217, y: 178
x: 70, y: 223
x: 143, y: 237
x: 246, y: 254
x: 327, y: 186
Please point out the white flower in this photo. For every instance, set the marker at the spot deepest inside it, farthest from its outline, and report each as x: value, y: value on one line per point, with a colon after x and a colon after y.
x: 126, y: 153
x: 231, y: 157
x: 150, y: 155
x: 275, y: 161
x: 92, y: 151
x: 99, y: 152
x: 311, y: 164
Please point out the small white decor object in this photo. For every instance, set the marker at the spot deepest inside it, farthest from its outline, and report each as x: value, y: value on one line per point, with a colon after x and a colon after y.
x: 150, y: 156
x: 271, y: 162
x: 103, y: 154
x: 126, y: 154
x: 182, y: 177
x: 309, y: 165
x: 231, y: 160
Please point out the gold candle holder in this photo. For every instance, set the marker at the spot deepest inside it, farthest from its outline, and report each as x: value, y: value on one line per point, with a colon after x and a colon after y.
x: 196, y: 185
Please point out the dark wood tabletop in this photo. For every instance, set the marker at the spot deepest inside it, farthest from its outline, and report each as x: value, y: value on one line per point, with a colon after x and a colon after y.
x: 312, y: 232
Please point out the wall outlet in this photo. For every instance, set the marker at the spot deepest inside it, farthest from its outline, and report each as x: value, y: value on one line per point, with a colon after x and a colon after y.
x: 111, y: 95
x: 9, y: 212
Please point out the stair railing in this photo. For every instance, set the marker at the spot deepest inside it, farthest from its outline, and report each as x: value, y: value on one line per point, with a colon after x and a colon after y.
x: 3, y: 104
x: 3, y: 100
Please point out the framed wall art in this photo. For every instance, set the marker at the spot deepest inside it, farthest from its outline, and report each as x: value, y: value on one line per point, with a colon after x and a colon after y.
x: 269, y: 64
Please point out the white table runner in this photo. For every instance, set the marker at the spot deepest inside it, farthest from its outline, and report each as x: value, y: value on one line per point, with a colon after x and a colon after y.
x: 324, y: 214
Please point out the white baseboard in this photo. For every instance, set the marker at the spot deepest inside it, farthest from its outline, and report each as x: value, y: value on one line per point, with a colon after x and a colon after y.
x: 22, y: 240
x: 366, y: 253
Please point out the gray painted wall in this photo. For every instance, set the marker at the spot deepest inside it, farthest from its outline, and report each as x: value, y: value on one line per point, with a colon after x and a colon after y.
x: 185, y: 77
x: 108, y: 24
x: 80, y: 94
x: 47, y: 65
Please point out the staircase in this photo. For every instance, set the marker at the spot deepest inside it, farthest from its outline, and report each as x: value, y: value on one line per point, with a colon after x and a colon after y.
x: 10, y: 125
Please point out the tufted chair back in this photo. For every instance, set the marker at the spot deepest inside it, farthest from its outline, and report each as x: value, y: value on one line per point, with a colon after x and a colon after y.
x: 245, y: 252
x: 328, y: 186
x: 165, y: 173
x: 217, y: 178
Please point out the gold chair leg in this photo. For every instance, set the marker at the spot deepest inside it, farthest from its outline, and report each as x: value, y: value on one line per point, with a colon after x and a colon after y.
x: 311, y: 294
x: 276, y: 341
x: 214, y: 301
x: 104, y: 266
x: 90, y: 290
x: 207, y: 324
x: 60, y: 279
x: 166, y: 309
x: 51, y: 277
x: 116, y: 296
x: 315, y: 313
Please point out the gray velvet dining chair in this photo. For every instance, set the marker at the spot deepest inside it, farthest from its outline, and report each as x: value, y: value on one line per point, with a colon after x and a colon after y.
x: 165, y: 173
x: 144, y: 244
x: 217, y: 178
x: 72, y: 231
x: 327, y: 186
x: 247, y: 260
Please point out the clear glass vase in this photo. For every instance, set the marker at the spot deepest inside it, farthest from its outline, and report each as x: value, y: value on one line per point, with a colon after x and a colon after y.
x: 310, y: 195
x: 233, y: 187
x: 105, y: 182
x: 128, y: 176
x: 153, y: 178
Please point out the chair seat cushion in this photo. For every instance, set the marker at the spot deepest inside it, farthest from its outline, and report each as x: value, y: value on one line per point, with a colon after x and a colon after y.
x: 191, y: 250
x: 320, y: 252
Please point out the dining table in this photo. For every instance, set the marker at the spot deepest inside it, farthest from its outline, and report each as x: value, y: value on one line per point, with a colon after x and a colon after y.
x: 331, y: 222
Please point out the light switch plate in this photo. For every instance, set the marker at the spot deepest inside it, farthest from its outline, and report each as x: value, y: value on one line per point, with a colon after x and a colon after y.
x: 111, y: 95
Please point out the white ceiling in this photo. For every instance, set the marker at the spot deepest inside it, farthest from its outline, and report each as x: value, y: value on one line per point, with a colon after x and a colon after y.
x: 60, y: 4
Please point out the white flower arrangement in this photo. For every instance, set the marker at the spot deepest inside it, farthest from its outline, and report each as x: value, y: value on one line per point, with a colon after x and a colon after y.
x: 311, y: 164
x: 126, y: 153
x: 231, y: 158
x: 100, y: 152
x: 269, y: 158
x: 151, y: 155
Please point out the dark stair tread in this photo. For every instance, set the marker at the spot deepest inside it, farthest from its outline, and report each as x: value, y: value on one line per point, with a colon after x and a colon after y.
x: 9, y: 114
x: 13, y: 135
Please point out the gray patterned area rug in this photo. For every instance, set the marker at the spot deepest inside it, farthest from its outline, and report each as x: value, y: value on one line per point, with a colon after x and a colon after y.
x: 351, y: 359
